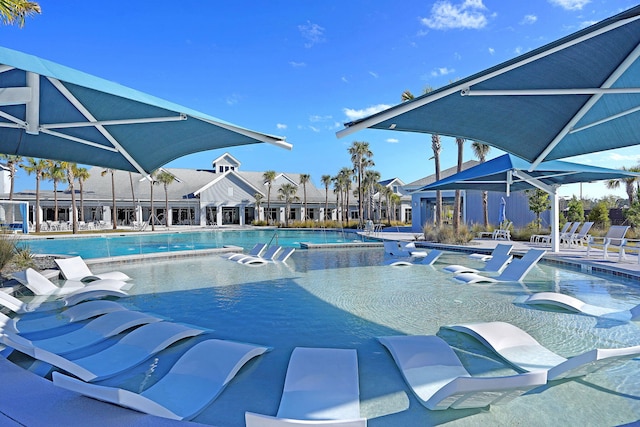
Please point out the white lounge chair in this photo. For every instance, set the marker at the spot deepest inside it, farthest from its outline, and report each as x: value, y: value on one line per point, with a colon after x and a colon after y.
x: 568, y: 235
x: 95, y: 331
x: 133, y: 349
x: 75, y: 269
x: 438, y: 379
x: 320, y: 388
x: 514, y: 272
x: 582, y: 236
x: 546, y: 238
x: 497, y: 262
x: 501, y: 250
x: 430, y: 259
x: 84, y: 311
x: 269, y: 255
x: 402, y: 249
x: 522, y: 351
x: 257, y: 250
x: 613, y: 239
x: 575, y: 305
x: 285, y: 254
x: 41, y: 303
x: 40, y: 285
x: 195, y: 381
x: 503, y: 232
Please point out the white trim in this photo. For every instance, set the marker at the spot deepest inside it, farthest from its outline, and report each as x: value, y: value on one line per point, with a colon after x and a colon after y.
x: 113, y: 122
x: 546, y: 92
x: 275, y: 140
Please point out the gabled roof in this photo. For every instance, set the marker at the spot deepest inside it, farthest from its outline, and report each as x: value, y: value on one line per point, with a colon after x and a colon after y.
x: 226, y: 175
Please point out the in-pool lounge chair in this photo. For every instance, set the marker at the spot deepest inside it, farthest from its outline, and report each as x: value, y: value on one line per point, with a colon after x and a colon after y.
x: 130, y: 351
x: 438, y: 379
x: 501, y: 249
x: 40, y: 303
x: 75, y: 269
x: 522, y: 351
x: 84, y: 311
x: 498, y: 261
x: 575, y: 305
x: 402, y: 249
x: 320, y: 389
x: 430, y: 259
x: 514, y: 272
x: 257, y: 250
x: 269, y: 255
x: 195, y: 381
x: 40, y: 285
x: 94, y: 332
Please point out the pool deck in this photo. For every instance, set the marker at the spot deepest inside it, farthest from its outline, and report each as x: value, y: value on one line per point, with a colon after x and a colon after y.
x: 35, y: 401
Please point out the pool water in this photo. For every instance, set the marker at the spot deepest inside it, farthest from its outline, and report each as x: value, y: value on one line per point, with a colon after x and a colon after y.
x: 110, y: 245
x: 345, y: 298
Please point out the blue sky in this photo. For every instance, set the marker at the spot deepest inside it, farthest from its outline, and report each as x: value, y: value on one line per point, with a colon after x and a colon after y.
x: 301, y: 69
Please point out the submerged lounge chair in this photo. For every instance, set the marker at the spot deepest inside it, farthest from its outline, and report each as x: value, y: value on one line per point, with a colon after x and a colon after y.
x: 498, y: 261
x: 577, y: 306
x: 40, y: 303
x: 522, y: 351
x: 40, y: 285
x: 402, y: 249
x: 257, y: 249
x: 515, y: 271
x: 95, y: 331
x: 430, y: 259
x: 195, y: 381
x: 500, y: 250
x: 75, y: 269
x: 320, y: 388
x: 269, y: 255
x: 438, y: 379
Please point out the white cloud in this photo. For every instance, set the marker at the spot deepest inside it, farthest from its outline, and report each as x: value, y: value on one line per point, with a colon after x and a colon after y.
x: 297, y: 64
x: 529, y: 19
x: 570, y: 4
x: 358, y: 114
x: 518, y: 50
x: 344, y: 79
x: 317, y: 118
x: 281, y: 126
x: 445, y: 15
x: 233, y: 99
x: 314, y: 33
x: 375, y: 75
x: 491, y: 51
x: 392, y: 140
x: 616, y: 157
x: 442, y: 71
x: 313, y: 128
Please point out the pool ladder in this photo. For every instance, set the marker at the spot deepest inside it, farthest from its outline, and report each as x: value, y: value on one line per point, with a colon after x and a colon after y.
x: 275, y: 236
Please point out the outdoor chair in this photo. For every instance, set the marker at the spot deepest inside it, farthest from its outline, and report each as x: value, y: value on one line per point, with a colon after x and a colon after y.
x: 546, y: 238
x: 503, y: 232
x: 581, y: 237
x: 613, y: 239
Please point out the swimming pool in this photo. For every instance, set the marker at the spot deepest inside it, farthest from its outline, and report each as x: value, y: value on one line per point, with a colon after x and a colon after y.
x: 110, y: 245
x: 345, y: 298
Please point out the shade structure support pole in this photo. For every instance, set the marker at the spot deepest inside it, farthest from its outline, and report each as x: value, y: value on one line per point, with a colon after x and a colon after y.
x: 32, y: 115
x: 555, y: 222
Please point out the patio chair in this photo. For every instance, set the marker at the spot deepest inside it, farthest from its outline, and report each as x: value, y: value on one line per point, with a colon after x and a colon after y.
x: 504, y: 232
x: 521, y: 350
x: 402, y: 249
x: 575, y: 305
x: 269, y: 255
x: 514, y: 272
x: 582, y: 236
x: 40, y: 285
x: 567, y: 236
x: 320, y: 388
x: 257, y: 249
x: 500, y: 249
x: 194, y: 381
x: 75, y: 269
x: 430, y: 259
x: 502, y: 256
x: 41, y: 303
x: 546, y: 238
x: 439, y: 381
x: 613, y: 239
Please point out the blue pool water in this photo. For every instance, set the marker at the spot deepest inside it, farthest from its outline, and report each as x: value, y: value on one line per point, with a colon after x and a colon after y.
x: 110, y: 245
x: 345, y: 298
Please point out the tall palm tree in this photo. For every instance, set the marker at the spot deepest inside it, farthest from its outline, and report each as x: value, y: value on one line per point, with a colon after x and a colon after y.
x: 15, y: 11
x: 481, y: 150
x: 361, y: 158
x: 436, y: 146
x: 165, y: 178
x: 82, y: 174
x: 369, y: 182
x: 287, y: 192
x: 337, y: 190
x: 326, y: 181
x: 629, y: 183
x: 37, y: 167
x: 258, y: 197
x: 70, y: 170
x: 152, y: 213
x: 387, y: 193
x: 269, y: 176
x: 345, y: 184
x: 456, y: 205
x: 304, y: 180
x: 114, y: 215
x: 56, y: 174
x: 394, y: 199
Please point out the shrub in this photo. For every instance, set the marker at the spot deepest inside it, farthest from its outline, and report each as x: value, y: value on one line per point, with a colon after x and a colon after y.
x: 23, y: 258
x: 446, y: 234
x: 575, y: 210
x: 600, y: 215
x: 7, y: 248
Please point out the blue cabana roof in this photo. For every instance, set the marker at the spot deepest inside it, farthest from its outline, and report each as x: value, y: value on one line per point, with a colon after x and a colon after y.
x: 577, y: 95
x: 51, y: 111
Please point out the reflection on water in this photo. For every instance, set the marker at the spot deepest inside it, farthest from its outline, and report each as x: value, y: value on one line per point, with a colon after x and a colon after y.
x: 346, y: 298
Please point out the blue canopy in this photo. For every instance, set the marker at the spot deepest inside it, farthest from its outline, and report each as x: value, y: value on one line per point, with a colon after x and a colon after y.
x: 577, y: 95
x: 54, y: 112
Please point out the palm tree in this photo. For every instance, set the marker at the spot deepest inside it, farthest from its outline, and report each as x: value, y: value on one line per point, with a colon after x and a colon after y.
x: 269, y: 176
x: 456, y: 205
x: 15, y: 11
x: 114, y: 219
x: 304, y: 179
x: 165, y: 178
x: 395, y: 202
x: 481, y: 150
x: 258, y: 197
x: 82, y: 174
x: 369, y: 182
x: 337, y: 190
x: 287, y: 192
x: 629, y: 183
x: 361, y: 159
x: 152, y: 214
x: 326, y: 181
x: 37, y: 167
x: 56, y: 174
x: 133, y: 197
x: 344, y: 177
x: 387, y: 193
x: 70, y: 169
x: 13, y: 162
x: 436, y: 146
